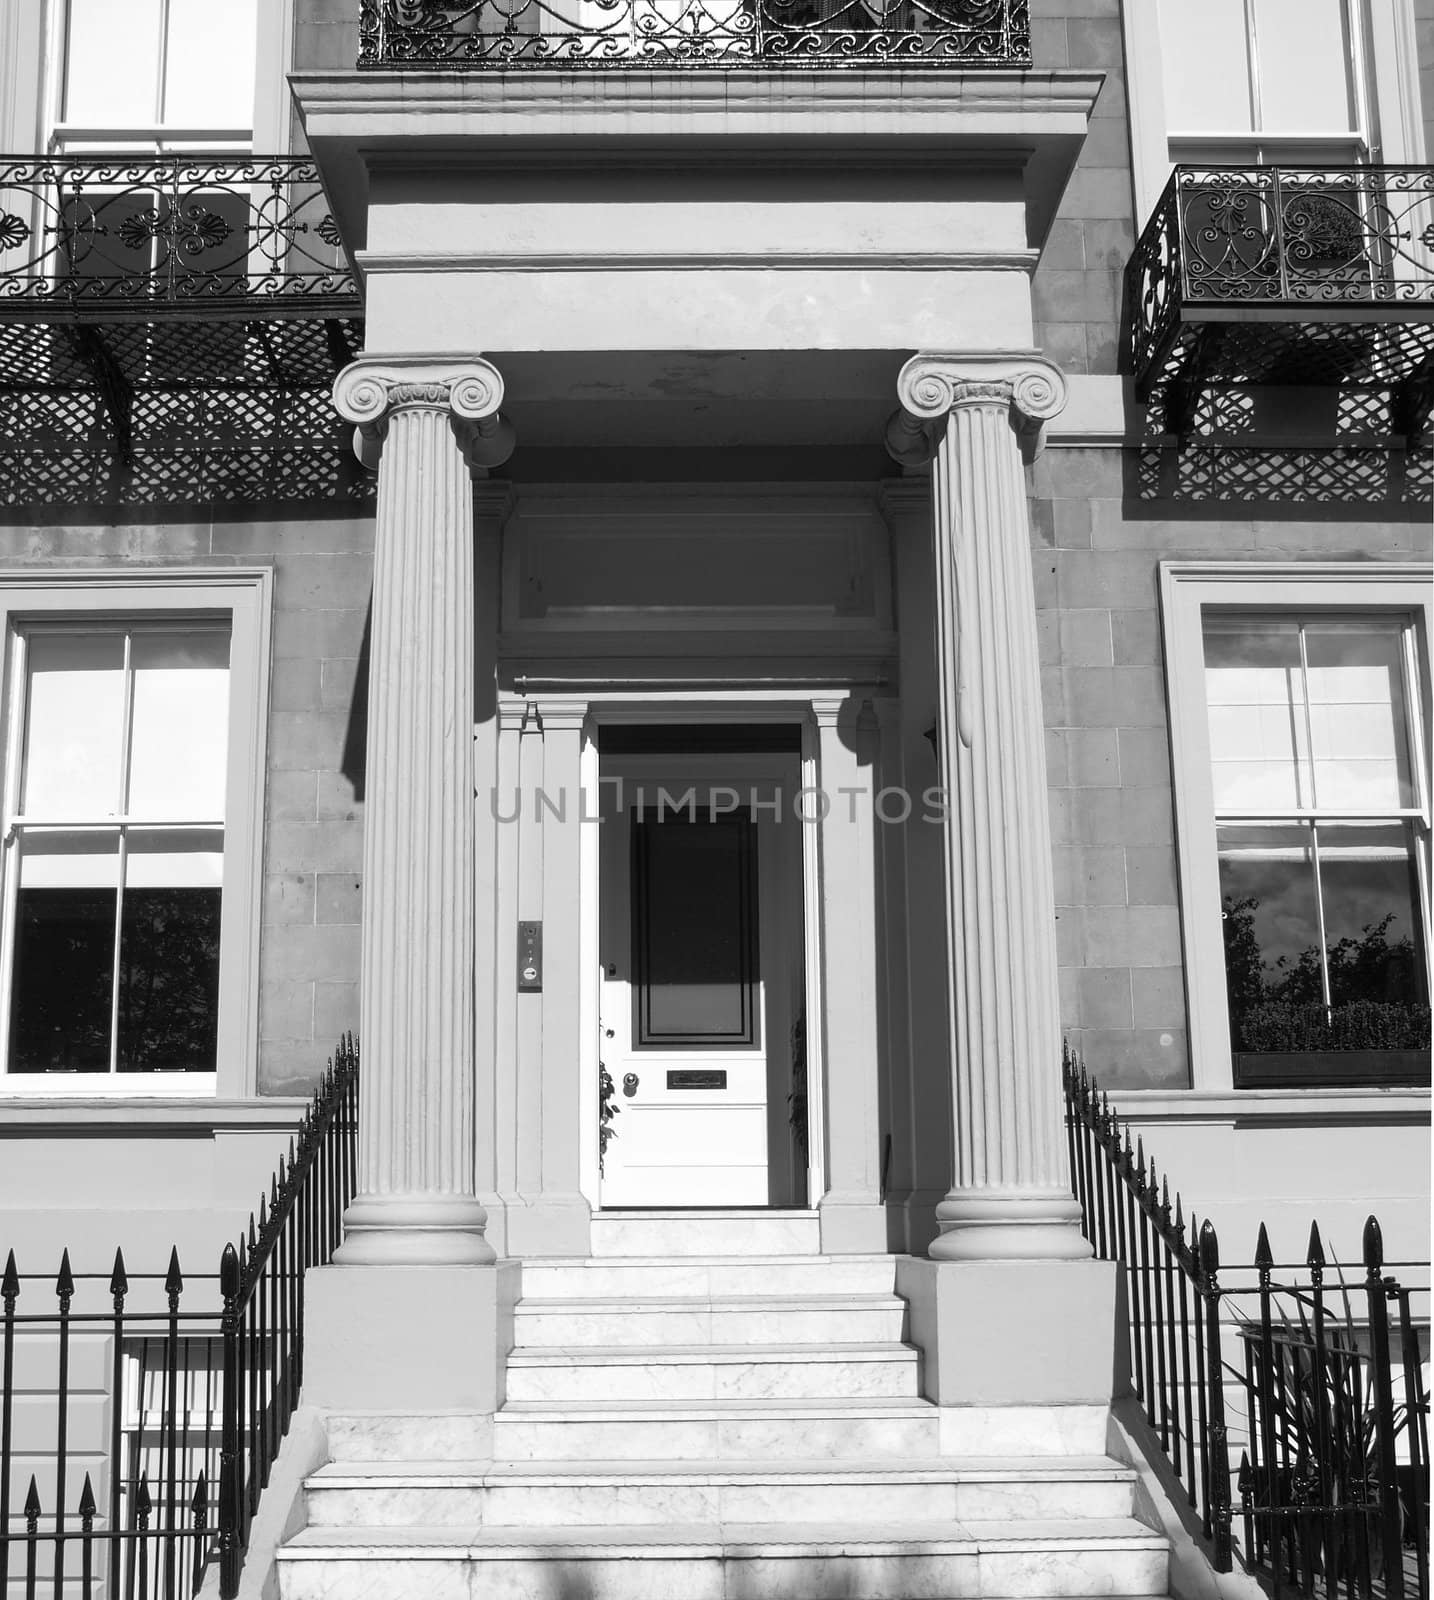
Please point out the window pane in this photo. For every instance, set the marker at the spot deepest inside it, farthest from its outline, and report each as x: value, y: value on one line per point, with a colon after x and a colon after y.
x: 695, y: 932
x: 1304, y: 57
x: 181, y: 725
x: 1357, y: 723
x: 64, y: 954
x: 209, y: 70
x: 74, y: 721
x: 1205, y: 56
x: 1270, y: 923
x: 169, y: 980
x: 112, y: 63
x: 1254, y: 692
x: 1373, y: 937
x: 165, y: 859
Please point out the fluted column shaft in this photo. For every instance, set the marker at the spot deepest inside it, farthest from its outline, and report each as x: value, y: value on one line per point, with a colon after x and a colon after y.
x: 415, y: 1200
x: 1011, y: 1195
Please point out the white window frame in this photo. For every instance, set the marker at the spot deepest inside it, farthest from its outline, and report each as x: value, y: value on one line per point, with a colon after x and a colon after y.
x: 1187, y: 588
x: 32, y: 72
x: 242, y: 598
x: 1394, y: 128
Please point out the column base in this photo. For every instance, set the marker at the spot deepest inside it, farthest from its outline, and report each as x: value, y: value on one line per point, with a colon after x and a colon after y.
x: 1009, y: 1225
x: 415, y: 1230
x: 919, y: 1209
x: 409, y: 1340
x: 1015, y: 1333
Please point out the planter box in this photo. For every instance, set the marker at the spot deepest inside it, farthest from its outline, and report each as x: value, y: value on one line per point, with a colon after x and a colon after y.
x: 1344, y: 1069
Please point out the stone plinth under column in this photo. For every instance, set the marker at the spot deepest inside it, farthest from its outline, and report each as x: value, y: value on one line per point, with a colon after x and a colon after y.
x: 408, y: 1340
x: 1016, y: 1333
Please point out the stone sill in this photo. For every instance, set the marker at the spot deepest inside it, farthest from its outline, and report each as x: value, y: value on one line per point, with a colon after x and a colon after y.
x: 1274, y: 1107
x: 26, y: 1115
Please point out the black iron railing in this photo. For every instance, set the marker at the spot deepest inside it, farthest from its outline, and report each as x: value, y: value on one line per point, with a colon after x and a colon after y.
x: 1172, y: 1281
x: 1334, y: 1481
x: 472, y: 34
x: 1328, y: 241
x: 145, y: 1410
x: 262, y: 1283
x: 110, y: 234
x: 1328, y: 1411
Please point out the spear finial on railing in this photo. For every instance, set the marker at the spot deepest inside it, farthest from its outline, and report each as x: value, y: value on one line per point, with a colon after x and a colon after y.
x: 1264, y: 1256
x: 1209, y: 1253
x: 1373, y: 1246
x: 10, y: 1283
x: 87, y: 1504
x: 1314, y: 1256
x: 65, y: 1282
x: 174, y: 1279
x: 32, y: 1507
x: 119, y: 1281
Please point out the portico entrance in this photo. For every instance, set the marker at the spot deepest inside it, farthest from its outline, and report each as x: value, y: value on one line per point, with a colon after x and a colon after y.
x: 702, y: 995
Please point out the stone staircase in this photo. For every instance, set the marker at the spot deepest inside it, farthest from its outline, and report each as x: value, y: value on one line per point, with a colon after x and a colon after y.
x: 710, y: 1410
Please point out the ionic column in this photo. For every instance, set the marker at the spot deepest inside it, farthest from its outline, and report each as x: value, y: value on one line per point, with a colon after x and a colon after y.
x: 426, y: 422
x: 1011, y: 1198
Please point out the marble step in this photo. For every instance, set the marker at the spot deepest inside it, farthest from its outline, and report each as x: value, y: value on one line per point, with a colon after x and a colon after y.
x: 706, y: 1233
x: 717, y: 1430
x: 707, y: 1277
x: 538, y: 1430
x: 739, y: 1320
x: 715, y: 1372
x: 803, y: 1561
x: 629, y: 1494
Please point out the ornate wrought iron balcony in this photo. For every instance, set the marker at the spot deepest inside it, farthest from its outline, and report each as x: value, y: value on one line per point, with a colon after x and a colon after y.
x: 199, y: 302
x: 462, y: 35
x: 121, y: 235
x: 1322, y: 276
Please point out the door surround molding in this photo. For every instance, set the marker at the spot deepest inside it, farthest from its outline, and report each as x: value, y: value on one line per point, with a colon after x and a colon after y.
x: 720, y: 706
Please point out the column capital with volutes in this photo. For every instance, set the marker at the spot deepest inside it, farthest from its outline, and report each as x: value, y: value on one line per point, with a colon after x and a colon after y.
x: 1030, y: 389
x: 371, y: 391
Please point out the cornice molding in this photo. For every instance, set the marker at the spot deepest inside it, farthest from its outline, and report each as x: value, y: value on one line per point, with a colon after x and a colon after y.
x: 372, y: 390
x: 1000, y: 97
x: 387, y: 262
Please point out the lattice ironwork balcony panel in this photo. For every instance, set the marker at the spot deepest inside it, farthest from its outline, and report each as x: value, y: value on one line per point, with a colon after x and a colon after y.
x: 112, y: 236
x: 1284, y: 275
x: 186, y: 447
x: 251, y: 355
x: 75, y: 393
x: 459, y: 35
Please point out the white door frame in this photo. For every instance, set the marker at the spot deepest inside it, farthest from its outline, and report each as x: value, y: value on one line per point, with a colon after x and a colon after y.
x: 694, y: 710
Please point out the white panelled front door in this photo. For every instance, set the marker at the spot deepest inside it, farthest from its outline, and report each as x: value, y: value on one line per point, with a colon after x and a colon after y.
x: 702, y: 981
